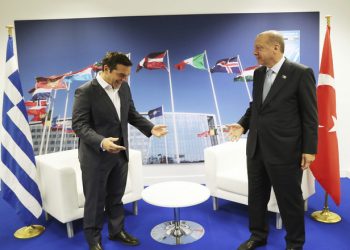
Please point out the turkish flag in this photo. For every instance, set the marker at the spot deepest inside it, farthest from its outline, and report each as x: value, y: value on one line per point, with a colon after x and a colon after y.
x: 326, y: 166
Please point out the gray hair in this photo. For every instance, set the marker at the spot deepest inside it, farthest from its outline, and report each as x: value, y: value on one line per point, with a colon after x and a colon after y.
x: 274, y: 37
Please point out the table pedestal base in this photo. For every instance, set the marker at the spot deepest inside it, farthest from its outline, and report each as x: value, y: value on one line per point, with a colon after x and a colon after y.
x: 177, y: 232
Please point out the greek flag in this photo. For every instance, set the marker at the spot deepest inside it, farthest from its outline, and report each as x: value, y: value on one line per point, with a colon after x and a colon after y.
x: 17, y: 167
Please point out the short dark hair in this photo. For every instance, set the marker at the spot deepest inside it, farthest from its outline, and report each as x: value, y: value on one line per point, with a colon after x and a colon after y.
x: 111, y: 59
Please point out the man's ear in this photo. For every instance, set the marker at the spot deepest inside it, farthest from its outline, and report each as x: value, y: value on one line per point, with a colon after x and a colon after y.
x: 277, y: 47
x: 105, y: 68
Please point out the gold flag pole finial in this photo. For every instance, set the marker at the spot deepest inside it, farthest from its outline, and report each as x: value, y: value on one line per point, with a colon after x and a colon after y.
x: 9, y: 29
x: 328, y: 17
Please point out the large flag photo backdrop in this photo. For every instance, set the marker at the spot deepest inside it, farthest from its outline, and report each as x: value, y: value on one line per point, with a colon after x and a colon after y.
x: 171, y: 58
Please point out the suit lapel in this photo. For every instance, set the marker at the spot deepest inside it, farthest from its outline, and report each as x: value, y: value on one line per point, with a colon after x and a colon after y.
x: 104, y: 99
x: 279, y: 82
x: 260, y: 85
x: 123, y: 100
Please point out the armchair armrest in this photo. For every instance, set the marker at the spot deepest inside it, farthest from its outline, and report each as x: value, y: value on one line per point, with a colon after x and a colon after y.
x: 222, y: 158
x: 135, y: 177
x: 58, y: 186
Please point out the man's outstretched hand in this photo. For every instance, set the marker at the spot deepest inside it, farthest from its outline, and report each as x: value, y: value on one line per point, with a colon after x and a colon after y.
x: 234, y: 131
x: 159, y: 130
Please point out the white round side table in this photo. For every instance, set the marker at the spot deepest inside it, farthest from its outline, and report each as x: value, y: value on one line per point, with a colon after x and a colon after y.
x: 176, y: 194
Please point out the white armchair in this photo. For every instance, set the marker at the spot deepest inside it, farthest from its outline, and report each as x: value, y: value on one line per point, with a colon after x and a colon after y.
x: 61, y: 187
x: 226, y: 176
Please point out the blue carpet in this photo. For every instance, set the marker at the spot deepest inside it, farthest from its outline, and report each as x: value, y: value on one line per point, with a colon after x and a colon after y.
x: 224, y: 229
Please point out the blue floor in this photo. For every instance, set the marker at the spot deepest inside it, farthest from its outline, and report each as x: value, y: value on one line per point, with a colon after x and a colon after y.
x: 224, y: 229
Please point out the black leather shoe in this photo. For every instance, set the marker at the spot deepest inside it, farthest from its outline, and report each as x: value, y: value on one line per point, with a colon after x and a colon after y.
x: 251, y: 244
x: 291, y: 248
x: 125, y: 238
x: 96, y: 247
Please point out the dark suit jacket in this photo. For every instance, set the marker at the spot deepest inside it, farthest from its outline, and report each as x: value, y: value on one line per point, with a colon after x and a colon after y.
x: 95, y: 117
x: 286, y: 123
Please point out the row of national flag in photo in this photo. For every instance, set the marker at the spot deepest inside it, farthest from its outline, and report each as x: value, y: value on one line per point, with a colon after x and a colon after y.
x: 44, y: 85
x: 62, y: 81
x: 229, y: 65
x: 41, y: 93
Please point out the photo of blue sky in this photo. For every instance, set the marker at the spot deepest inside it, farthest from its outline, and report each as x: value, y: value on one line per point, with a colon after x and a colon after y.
x: 54, y: 47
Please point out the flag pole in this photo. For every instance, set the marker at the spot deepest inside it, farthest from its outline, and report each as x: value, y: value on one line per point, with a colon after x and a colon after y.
x: 48, y: 127
x: 325, y: 215
x: 64, y: 117
x: 173, y: 111
x: 165, y: 139
x: 54, y: 148
x: 215, y: 100
x: 48, y: 132
x: 31, y: 231
x: 50, y: 108
x: 245, y: 80
x: 149, y: 148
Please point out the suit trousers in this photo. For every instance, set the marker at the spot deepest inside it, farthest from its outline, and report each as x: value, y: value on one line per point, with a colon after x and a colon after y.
x: 104, y: 187
x: 286, y: 182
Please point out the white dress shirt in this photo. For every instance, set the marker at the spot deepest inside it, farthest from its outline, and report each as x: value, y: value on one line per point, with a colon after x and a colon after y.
x: 271, y: 74
x: 112, y: 93
x: 275, y: 68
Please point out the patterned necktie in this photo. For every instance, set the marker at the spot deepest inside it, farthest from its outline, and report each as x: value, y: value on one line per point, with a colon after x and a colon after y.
x: 268, y: 83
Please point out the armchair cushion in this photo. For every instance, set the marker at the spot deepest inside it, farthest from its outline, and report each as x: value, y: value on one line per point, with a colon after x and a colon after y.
x: 233, y: 180
x: 226, y: 174
x: 61, y: 187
